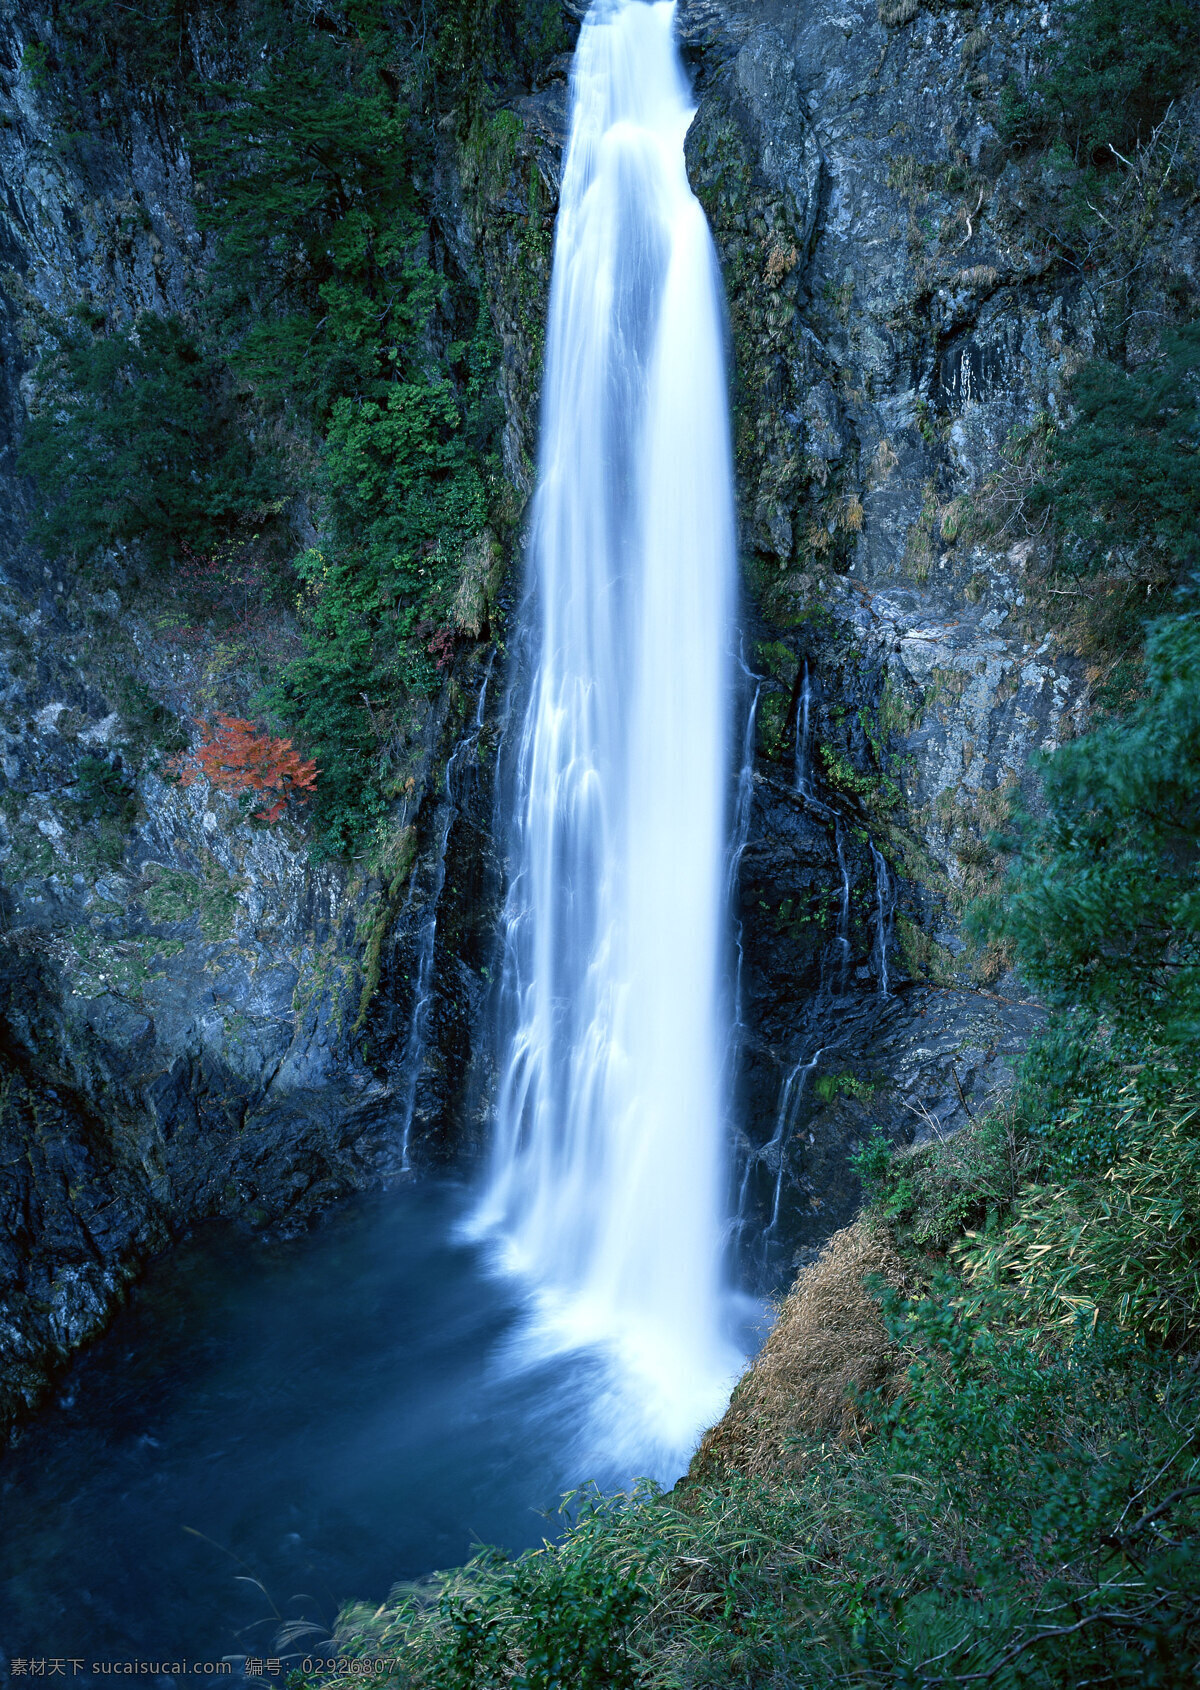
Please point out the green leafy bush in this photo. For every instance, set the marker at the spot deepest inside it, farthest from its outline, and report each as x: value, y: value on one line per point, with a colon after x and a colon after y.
x: 103, y: 792
x: 335, y: 313
x: 152, y: 728
x: 407, y: 489
x: 1127, y: 471
x: 546, y: 1621
x: 930, y: 1194
x: 340, y: 350
x: 147, y: 47
x: 1103, y: 909
x: 1123, y: 1243
x: 134, y: 443
x: 483, y: 45
x: 1023, y: 1514
x: 1107, y: 79
x: 105, y: 802
x: 307, y: 180
x: 176, y: 896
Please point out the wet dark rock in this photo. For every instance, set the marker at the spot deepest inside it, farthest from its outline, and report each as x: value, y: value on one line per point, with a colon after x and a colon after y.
x: 915, y: 1066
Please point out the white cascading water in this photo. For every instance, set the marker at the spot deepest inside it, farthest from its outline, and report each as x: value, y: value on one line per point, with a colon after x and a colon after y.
x: 607, y: 1176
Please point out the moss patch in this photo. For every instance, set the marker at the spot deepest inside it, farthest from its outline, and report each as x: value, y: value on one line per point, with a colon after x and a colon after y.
x: 175, y: 896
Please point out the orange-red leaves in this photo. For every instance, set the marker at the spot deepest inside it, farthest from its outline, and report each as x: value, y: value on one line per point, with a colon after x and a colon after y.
x: 235, y: 758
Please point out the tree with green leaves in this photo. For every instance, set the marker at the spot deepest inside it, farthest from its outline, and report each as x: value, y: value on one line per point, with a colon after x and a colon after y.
x: 1126, y: 479
x: 1103, y: 910
x: 1107, y: 78
x: 135, y: 443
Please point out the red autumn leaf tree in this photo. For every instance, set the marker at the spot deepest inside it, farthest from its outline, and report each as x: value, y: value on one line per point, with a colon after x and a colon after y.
x: 236, y: 758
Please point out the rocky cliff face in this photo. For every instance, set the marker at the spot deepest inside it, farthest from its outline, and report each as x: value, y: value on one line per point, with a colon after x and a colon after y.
x: 197, y: 1020
x: 902, y: 329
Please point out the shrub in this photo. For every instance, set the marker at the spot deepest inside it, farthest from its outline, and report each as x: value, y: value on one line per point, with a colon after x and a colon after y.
x: 307, y: 181
x: 928, y: 1195
x: 103, y: 792
x: 1103, y: 909
x: 1022, y: 1515
x: 1108, y: 78
x: 149, y: 724
x: 1123, y: 1244
x: 335, y: 331
x: 1126, y: 478
x: 134, y: 444
x: 545, y: 1621
x: 149, y: 49
x: 175, y: 896
x: 333, y: 309
x: 485, y: 44
x: 236, y: 758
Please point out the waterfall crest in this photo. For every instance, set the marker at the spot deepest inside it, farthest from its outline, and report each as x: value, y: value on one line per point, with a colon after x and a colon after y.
x: 607, y: 1175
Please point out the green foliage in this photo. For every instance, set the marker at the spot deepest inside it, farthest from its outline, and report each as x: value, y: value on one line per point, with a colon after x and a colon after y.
x: 105, y: 802
x: 576, y: 1617
x: 147, y: 46
x: 473, y: 50
x: 830, y: 1086
x: 930, y: 1194
x: 334, y: 311
x: 1120, y: 1238
x: 134, y: 443
x: 1107, y: 79
x: 1077, y: 1082
x: 1103, y: 910
x: 211, y: 896
x: 1127, y: 471
x: 407, y: 488
x: 103, y: 793
x: 149, y: 725
x: 337, y: 347
x: 1025, y: 1459
x: 1024, y: 1514
x: 35, y: 65
x: 333, y: 328
x: 546, y: 1621
x: 485, y: 45
x: 307, y: 180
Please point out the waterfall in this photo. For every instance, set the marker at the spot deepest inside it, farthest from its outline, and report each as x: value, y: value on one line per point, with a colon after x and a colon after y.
x: 843, y: 925
x: 607, y: 1168
x: 742, y: 815
x: 804, y: 779
x: 885, y: 911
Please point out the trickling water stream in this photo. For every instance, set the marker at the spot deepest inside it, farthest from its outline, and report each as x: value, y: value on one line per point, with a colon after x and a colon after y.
x: 607, y: 1178
x: 415, y: 1042
x: 885, y: 915
x: 830, y: 1017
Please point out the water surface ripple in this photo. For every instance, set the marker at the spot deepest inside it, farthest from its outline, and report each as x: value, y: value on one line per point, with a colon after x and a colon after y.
x: 327, y: 1415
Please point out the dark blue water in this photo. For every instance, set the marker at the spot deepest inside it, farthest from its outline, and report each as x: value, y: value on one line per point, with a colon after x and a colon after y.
x: 272, y: 1427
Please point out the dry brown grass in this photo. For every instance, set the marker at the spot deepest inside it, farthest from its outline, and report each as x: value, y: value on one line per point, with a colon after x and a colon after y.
x: 828, y: 1343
